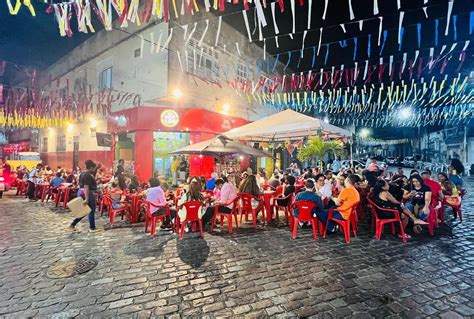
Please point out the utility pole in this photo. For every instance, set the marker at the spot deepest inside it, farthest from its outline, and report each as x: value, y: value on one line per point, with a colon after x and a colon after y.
x: 465, y: 145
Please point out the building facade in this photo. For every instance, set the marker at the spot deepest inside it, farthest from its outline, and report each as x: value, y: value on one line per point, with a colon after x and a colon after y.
x: 162, y: 95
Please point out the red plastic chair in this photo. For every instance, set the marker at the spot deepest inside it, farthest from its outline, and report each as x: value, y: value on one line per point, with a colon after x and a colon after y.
x: 123, y: 210
x: 268, y: 187
x: 229, y: 216
x: 433, y: 218
x: 247, y: 208
x: 380, y: 223
x: 150, y: 219
x: 53, y: 193
x: 20, y: 187
x: 45, y: 191
x: 305, y: 215
x: 345, y: 224
x: 192, y: 215
x: 455, y: 205
x: 279, y: 190
x: 286, y: 209
x: 67, y: 195
x: 209, y: 192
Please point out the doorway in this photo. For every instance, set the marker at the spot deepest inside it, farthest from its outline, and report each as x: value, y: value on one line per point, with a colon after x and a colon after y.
x: 75, y: 152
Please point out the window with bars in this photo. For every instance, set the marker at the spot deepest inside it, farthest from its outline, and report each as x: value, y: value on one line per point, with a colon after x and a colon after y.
x: 205, y: 64
x: 61, y: 143
x: 242, y: 72
x: 44, y: 145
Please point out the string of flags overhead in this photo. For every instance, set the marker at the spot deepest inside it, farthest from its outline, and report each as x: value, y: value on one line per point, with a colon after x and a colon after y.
x: 413, y: 66
x: 142, y: 11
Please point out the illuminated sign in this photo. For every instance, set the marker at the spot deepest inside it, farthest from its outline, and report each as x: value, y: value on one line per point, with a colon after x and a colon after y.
x: 169, y: 118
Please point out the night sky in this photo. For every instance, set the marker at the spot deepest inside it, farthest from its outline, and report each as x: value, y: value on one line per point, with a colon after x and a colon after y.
x: 33, y: 41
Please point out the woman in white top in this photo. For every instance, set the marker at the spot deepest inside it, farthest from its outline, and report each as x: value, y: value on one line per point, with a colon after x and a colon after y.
x: 323, y: 187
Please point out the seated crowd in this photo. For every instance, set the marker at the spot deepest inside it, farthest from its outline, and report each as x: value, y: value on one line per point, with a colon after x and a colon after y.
x: 341, y: 192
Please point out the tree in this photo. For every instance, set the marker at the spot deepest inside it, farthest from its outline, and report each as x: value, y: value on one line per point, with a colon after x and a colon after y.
x: 316, y: 148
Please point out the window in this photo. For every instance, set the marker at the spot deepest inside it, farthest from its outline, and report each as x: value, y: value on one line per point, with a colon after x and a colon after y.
x: 63, y: 94
x: 44, y: 145
x: 205, y: 65
x: 61, y: 143
x: 105, y: 79
x: 269, y: 84
x: 242, y: 72
x: 137, y: 53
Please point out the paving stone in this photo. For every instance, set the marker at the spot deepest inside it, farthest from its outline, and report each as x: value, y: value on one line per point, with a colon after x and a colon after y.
x: 213, y: 307
x: 241, y: 309
x: 450, y: 315
x: 166, y: 310
x: 121, y: 303
x: 465, y: 310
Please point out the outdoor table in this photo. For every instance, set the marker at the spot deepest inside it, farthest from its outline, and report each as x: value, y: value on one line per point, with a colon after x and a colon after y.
x: 44, y: 190
x: 61, y: 189
x: 267, y: 197
x: 134, y: 206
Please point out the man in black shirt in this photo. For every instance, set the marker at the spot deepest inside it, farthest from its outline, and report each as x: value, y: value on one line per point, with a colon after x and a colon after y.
x: 399, y: 175
x: 88, y: 187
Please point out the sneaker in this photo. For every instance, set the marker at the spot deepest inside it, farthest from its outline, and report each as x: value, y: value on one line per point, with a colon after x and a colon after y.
x: 96, y: 230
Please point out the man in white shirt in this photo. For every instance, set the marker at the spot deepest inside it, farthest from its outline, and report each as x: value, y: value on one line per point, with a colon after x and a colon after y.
x: 32, y: 179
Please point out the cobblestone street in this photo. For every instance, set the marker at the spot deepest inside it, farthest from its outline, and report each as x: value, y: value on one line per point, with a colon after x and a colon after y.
x: 251, y: 273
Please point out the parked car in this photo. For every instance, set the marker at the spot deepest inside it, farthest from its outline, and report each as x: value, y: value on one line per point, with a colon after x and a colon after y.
x: 409, y: 161
x: 355, y: 163
x: 392, y: 161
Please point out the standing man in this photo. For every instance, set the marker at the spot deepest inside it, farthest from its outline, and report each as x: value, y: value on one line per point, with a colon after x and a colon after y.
x: 88, y: 187
x: 183, y: 167
x: 120, y: 171
x: 336, y: 165
x: 174, y: 171
x: 32, y: 179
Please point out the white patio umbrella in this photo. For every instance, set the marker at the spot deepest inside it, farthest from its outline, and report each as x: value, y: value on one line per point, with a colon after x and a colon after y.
x: 285, y: 125
x: 220, y: 146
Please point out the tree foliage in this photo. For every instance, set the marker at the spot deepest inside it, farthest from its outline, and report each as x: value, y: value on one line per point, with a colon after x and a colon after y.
x: 316, y: 148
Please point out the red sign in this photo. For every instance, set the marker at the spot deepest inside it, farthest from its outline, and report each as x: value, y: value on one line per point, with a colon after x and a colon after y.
x: 13, y: 148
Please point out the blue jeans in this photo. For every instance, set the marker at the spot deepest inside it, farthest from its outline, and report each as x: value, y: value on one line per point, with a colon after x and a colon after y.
x: 323, y: 216
x: 92, y: 204
x: 421, y: 214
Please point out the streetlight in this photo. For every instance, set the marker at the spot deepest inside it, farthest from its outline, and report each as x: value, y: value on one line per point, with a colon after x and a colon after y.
x: 177, y: 93
x: 93, y: 126
x: 406, y: 113
x: 364, y: 133
x: 226, y: 107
